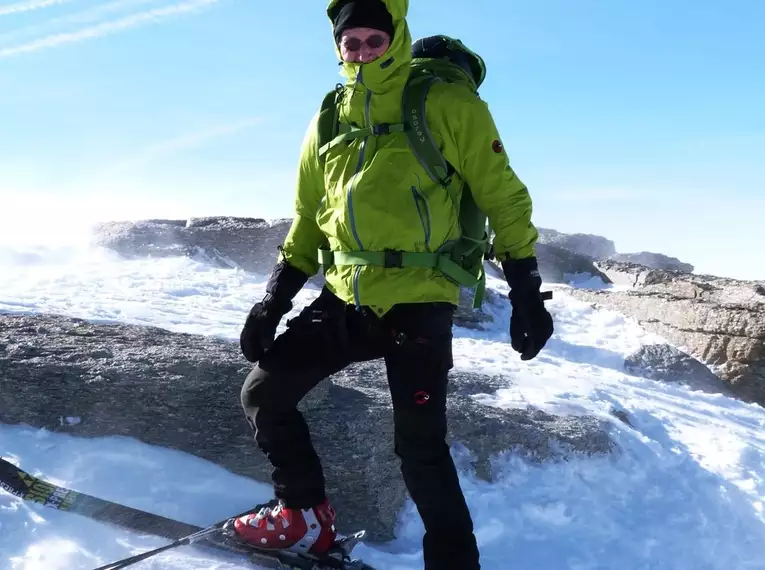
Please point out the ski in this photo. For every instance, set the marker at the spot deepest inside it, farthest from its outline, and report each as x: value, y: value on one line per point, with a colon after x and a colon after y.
x: 20, y: 483
x: 28, y: 487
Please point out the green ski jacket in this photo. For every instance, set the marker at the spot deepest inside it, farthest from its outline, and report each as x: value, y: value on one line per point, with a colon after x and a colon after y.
x: 373, y: 195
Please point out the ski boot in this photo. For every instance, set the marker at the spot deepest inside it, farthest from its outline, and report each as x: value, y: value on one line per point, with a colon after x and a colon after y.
x: 277, y: 527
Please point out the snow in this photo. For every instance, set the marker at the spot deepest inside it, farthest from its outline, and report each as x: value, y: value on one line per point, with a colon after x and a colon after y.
x: 685, y: 489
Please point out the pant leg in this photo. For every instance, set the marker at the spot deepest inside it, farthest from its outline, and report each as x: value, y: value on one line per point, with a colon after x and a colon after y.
x: 313, y: 347
x: 418, y: 364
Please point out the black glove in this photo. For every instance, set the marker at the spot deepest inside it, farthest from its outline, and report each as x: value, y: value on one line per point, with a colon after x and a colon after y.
x: 531, y: 326
x: 259, y: 329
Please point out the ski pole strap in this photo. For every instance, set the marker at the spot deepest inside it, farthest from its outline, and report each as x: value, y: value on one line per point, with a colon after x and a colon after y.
x: 348, y: 133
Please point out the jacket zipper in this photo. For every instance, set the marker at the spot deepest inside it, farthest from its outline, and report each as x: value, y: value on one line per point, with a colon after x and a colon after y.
x: 360, y: 163
x: 424, y: 213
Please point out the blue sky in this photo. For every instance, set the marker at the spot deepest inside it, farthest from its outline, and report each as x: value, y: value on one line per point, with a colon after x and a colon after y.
x: 641, y: 121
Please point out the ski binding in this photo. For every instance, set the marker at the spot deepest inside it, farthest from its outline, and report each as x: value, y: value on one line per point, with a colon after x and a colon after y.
x: 337, y: 558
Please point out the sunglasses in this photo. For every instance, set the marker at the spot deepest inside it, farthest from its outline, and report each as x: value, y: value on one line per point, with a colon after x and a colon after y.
x: 354, y: 44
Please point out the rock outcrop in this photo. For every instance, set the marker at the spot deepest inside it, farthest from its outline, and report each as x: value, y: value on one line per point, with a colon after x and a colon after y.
x: 654, y: 261
x: 468, y: 317
x: 559, y: 265
x: 624, y: 273
x: 248, y: 243
x: 251, y: 244
x: 669, y: 364
x: 600, y: 248
x: 181, y: 391
x: 592, y: 246
x: 719, y: 321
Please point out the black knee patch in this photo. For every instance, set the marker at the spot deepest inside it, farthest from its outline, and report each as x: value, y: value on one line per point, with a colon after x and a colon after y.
x: 256, y: 393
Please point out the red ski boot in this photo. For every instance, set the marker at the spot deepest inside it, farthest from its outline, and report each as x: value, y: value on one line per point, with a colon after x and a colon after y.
x: 281, y: 528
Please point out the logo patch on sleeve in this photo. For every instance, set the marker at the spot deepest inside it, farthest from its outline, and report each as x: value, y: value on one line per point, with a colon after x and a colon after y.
x: 497, y: 146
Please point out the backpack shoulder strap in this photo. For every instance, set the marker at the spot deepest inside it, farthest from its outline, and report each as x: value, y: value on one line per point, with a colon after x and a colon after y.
x: 332, y: 132
x: 328, y: 122
x: 474, y: 242
x: 420, y: 138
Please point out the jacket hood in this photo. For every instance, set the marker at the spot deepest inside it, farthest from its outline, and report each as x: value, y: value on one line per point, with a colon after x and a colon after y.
x: 391, y: 69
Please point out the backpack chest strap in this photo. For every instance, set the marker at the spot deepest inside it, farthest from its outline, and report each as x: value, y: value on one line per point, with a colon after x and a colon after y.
x: 348, y: 133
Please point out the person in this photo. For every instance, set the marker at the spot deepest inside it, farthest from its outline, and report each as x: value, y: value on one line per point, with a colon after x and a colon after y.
x: 364, y: 197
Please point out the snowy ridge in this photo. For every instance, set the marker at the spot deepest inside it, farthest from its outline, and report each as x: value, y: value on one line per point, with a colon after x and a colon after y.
x: 685, y: 490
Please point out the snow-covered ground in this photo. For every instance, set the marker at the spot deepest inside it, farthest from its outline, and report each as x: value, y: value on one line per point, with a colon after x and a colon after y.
x: 685, y: 491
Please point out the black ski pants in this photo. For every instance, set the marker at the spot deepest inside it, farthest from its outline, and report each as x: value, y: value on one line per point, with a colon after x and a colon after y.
x: 416, y: 342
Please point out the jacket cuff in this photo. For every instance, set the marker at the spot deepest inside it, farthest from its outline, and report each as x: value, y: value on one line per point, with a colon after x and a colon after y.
x: 284, y: 283
x: 522, y: 274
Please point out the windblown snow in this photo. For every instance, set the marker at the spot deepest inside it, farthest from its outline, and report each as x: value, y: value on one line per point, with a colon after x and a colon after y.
x: 686, y: 490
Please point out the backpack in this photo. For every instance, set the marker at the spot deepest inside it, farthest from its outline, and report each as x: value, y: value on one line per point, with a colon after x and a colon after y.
x: 437, y: 58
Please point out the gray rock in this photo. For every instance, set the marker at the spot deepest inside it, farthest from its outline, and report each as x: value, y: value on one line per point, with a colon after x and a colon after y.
x: 468, y: 317
x: 181, y: 391
x: 624, y: 273
x: 654, y: 261
x: 667, y: 363
x: 559, y: 265
x: 248, y: 243
x: 251, y: 244
x: 719, y: 321
x: 599, y: 248
x: 592, y: 246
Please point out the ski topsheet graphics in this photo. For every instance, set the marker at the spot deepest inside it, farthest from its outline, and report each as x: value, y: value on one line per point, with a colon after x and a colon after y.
x: 20, y: 483
x: 30, y: 488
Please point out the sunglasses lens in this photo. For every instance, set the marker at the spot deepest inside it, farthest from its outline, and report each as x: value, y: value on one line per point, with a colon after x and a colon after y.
x: 352, y: 44
x: 375, y: 41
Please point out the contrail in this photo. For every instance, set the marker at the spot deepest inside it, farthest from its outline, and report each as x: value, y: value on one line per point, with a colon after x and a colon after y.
x: 106, y: 28
x: 168, y: 147
x: 28, y: 6
x: 88, y: 16
x: 192, y: 140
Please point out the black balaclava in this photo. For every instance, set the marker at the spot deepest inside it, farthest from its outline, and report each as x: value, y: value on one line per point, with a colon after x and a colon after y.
x: 361, y: 14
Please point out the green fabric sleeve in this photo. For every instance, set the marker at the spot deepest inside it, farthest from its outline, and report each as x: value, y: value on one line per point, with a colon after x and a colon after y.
x: 304, y: 237
x: 472, y: 144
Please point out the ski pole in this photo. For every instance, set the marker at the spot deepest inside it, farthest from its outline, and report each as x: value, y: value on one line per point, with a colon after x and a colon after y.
x: 125, y: 562
x: 183, y: 541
